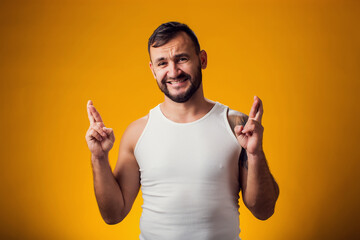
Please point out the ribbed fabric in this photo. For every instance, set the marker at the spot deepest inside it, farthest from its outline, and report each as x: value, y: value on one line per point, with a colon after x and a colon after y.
x: 189, y: 178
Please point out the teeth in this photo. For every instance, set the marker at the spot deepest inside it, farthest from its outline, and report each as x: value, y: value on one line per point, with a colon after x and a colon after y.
x: 179, y: 81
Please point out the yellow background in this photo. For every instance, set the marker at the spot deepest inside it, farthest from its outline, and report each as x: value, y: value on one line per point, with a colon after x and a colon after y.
x: 301, y: 57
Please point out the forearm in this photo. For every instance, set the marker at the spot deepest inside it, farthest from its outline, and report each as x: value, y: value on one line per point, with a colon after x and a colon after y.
x: 107, y: 191
x: 262, y: 191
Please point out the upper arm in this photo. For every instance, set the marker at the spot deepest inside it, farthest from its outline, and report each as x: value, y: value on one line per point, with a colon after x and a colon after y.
x: 237, y: 118
x: 126, y: 171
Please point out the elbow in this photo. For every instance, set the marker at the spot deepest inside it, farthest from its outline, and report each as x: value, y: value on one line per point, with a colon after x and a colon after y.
x: 263, y: 207
x: 264, y: 214
x: 263, y: 210
x: 113, y: 218
x: 112, y: 221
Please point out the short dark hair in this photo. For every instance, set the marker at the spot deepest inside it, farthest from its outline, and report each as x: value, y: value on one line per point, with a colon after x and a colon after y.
x: 167, y: 31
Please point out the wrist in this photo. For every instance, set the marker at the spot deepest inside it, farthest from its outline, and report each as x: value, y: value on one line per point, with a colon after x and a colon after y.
x: 99, y: 158
x: 256, y: 155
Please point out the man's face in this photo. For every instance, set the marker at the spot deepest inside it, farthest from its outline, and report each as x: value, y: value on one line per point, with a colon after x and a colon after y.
x: 177, y: 67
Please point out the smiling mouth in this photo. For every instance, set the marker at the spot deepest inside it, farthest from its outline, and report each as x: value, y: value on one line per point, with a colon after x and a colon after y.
x: 177, y: 81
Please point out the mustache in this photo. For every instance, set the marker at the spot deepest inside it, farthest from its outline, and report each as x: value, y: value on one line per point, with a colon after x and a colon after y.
x: 181, y: 76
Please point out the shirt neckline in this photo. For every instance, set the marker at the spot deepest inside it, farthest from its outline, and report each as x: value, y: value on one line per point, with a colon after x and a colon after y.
x: 188, y: 123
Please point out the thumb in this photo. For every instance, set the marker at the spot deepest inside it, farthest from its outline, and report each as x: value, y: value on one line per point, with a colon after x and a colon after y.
x: 238, y: 130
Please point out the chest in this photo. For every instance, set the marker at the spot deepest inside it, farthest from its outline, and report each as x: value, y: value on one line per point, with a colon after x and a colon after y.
x: 200, y: 153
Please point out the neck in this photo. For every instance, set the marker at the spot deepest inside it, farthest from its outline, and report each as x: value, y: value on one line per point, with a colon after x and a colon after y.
x: 195, y: 108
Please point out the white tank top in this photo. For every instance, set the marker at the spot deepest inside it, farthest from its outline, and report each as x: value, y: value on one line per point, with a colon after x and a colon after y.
x: 189, y: 178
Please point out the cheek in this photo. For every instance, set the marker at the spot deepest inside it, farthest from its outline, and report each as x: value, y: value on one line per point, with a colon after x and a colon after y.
x: 159, y: 75
x: 190, y: 69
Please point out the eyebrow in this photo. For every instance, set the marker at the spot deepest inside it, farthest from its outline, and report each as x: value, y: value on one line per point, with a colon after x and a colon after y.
x: 176, y: 56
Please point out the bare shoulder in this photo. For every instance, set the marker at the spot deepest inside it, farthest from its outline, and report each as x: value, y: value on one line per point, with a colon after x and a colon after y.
x: 127, y: 145
x: 133, y: 131
x: 236, y: 118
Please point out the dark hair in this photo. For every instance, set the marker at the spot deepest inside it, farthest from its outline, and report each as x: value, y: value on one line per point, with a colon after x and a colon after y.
x: 167, y: 31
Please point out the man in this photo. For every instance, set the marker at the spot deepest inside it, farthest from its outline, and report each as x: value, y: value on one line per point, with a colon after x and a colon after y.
x: 190, y: 155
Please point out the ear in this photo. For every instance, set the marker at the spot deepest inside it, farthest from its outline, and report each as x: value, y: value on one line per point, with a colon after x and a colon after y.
x: 152, y: 69
x: 203, y: 59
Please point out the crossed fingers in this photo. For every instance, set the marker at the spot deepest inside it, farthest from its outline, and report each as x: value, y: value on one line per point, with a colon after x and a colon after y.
x: 253, y: 124
x: 97, y: 127
x: 257, y: 110
x: 93, y: 114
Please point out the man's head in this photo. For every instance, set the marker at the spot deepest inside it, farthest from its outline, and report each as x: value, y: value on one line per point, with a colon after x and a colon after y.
x: 176, y: 60
x: 167, y: 31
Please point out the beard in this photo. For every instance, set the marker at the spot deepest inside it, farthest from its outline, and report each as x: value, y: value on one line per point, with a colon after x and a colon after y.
x: 184, y: 97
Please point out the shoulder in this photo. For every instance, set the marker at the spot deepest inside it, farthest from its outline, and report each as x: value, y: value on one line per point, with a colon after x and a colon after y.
x: 133, y: 132
x: 236, y: 118
x: 138, y: 125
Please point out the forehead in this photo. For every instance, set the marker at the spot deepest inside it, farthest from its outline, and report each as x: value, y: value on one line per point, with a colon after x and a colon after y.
x: 181, y: 43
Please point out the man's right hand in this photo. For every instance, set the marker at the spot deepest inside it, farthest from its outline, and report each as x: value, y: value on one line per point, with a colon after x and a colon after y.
x: 99, y: 138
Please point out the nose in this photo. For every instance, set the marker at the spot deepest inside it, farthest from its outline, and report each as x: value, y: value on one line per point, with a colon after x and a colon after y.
x: 173, y: 70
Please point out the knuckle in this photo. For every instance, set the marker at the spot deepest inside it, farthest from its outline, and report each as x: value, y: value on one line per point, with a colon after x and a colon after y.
x: 94, y: 133
x: 250, y: 120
